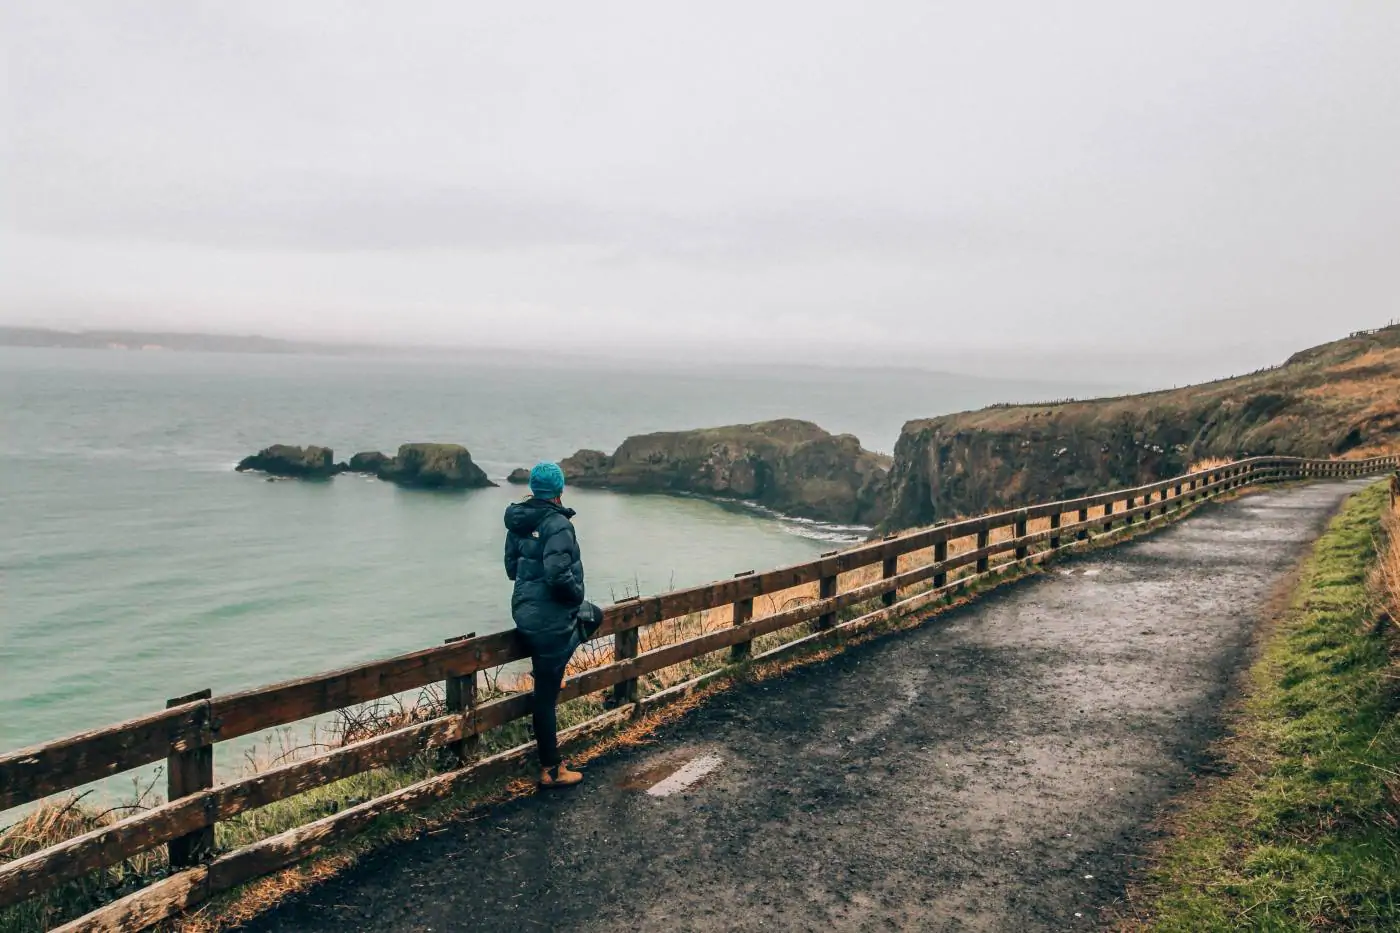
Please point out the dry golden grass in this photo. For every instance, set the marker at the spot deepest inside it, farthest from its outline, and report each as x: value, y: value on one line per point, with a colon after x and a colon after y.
x: 54, y: 821
x: 1209, y: 463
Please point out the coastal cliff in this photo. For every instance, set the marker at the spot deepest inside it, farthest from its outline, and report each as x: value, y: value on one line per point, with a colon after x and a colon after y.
x: 1339, y: 398
x: 794, y: 467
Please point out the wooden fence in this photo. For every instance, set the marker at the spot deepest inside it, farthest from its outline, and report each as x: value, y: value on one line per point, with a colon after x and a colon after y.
x: 185, y: 733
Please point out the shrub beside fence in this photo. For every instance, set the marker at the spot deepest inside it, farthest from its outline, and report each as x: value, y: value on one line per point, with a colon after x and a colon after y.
x: 186, y: 733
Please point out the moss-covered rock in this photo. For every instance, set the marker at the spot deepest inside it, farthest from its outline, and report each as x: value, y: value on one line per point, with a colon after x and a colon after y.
x: 434, y: 466
x: 370, y: 461
x: 299, y: 462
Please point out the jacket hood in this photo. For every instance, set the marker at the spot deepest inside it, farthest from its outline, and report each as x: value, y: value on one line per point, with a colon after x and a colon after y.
x: 523, y: 518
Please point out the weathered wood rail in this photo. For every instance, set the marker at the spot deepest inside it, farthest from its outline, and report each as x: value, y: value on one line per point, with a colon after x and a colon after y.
x: 186, y: 733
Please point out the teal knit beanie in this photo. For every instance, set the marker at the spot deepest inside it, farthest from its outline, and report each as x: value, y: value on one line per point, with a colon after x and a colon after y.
x: 546, y: 481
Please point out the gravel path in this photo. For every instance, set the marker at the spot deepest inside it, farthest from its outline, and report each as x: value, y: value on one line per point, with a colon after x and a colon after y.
x: 996, y: 770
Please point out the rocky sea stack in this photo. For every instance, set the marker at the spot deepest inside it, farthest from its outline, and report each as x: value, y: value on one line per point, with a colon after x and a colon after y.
x: 371, y: 462
x: 434, y: 466
x: 425, y: 466
x: 518, y: 476
x: 794, y: 467
x: 300, y: 462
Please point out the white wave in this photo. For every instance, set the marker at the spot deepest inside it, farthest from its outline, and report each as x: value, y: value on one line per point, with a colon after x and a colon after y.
x: 819, y: 533
x: 811, y: 527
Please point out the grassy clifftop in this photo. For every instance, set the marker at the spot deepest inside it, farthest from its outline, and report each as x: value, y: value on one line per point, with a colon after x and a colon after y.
x: 1339, y: 398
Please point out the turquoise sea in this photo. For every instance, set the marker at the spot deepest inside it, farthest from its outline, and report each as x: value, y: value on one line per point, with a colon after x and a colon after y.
x: 137, y: 565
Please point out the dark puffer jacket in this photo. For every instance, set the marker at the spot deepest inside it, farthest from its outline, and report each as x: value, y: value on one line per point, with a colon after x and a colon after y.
x: 542, y: 557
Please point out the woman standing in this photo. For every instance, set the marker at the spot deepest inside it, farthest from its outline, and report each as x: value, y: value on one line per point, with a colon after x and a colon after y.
x: 542, y: 557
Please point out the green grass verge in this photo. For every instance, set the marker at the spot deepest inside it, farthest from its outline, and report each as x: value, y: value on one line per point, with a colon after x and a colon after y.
x: 1304, y: 832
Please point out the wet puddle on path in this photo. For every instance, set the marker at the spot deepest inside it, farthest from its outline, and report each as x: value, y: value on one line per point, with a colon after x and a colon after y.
x: 672, y: 774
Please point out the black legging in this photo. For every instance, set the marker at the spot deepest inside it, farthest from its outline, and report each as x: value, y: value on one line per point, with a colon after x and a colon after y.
x: 548, y: 675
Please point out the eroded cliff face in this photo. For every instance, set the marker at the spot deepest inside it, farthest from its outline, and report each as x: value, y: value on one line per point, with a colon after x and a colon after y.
x: 789, y: 465
x: 1340, y: 398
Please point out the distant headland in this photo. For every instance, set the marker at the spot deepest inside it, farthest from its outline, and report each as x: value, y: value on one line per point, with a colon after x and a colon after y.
x: 155, y: 341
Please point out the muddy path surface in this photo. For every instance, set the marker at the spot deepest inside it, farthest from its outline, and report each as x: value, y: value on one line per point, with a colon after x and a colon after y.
x: 998, y: 769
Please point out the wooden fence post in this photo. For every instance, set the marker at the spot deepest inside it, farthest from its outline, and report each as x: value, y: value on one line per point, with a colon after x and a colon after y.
x: 624, y: 648
x: 1020, y: 531
x: 1128, y: 507
x: 1055, y: 523
x: 890, y: 568
x: 828, y: 590
x: 459, y: 696
x: 743, y: 612
x: 984, y: 562
x: 940, y: 554
x: 1108, y: 517
x: 1083, y: 534
x: 189, y: 773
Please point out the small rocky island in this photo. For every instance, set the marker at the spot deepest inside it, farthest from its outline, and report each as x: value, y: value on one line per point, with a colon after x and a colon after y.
x: 369, y: 462
x: 518, y: 476
x: 791, y: 466
x: 296, y: 462
x: 422, y: 466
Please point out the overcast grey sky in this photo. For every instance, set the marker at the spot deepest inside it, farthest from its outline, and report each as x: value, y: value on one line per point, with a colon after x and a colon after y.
x: 917, y: 181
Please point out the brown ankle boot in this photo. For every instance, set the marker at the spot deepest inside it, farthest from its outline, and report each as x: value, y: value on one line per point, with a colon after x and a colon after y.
x: 559, y: 776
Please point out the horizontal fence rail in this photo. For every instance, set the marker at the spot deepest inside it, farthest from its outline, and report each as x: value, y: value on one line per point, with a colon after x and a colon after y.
x: 186, y: 733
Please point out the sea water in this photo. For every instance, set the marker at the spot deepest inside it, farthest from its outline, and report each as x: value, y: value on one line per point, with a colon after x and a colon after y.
x: 138, y: 566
